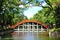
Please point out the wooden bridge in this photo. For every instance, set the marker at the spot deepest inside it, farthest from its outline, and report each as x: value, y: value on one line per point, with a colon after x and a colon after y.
x: 29, y: 26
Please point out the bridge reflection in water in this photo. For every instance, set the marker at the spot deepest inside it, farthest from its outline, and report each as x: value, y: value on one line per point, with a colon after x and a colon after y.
x: 29, y: 36
x: 32, y: 36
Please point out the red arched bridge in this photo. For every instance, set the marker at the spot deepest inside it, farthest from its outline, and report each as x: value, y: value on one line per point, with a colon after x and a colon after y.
x: 29, y: 25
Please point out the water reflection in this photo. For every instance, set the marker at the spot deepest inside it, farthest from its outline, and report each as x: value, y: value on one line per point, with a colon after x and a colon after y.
x: 28, y: 36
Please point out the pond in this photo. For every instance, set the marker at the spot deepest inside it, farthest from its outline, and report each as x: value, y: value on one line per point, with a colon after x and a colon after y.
x: 28, y: 36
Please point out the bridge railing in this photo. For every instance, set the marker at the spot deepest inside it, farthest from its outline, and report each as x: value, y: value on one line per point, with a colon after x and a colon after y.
x: 30, y: 30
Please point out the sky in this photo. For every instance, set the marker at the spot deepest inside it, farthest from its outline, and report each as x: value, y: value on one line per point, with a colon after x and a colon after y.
x: 31, y: 11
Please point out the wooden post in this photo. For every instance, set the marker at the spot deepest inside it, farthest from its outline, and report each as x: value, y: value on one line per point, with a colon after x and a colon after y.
x: 37, y: 27
x: 23, y: 27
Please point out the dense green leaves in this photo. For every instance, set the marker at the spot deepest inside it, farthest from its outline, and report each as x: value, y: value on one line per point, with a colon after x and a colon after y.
x: 10, y: 12
x: 50, y: 13
x: 44, y: 16
x: 55, y: 4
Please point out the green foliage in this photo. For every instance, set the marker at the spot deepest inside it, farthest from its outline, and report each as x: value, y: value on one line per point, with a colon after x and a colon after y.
x: 56, y: 8
x: 10, y: 12
x: 44, y: 16
x: 50, y: 13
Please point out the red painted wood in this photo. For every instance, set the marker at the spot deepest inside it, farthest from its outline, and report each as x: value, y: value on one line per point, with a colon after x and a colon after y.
x: 35, y: 21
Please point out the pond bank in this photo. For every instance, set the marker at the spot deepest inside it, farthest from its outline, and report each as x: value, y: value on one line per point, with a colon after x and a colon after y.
x: 54, y: 34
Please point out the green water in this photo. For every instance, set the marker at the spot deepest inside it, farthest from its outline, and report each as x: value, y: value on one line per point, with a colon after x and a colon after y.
x: 28, y: 36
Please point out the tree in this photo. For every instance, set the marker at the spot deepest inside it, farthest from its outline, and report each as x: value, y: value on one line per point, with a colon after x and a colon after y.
x: 55, y: 5
x: 10, y: 12
x: 44, y: 16
x: 54, y: 8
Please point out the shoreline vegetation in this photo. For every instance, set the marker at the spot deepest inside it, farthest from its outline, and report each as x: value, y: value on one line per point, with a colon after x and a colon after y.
x: 6, y: 31
x: 55, y: 32
x: 55, y: 29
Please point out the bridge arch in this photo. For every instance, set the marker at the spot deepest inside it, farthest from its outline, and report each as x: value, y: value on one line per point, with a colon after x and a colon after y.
x: 24, y: 21
x: 30, y: 24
